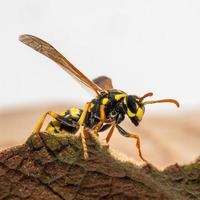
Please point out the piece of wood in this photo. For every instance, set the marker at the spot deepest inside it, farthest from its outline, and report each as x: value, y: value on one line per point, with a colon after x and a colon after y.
x: 52, y: 167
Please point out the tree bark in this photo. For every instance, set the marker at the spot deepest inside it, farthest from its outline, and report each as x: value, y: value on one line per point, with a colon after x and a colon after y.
x: 51, y: 166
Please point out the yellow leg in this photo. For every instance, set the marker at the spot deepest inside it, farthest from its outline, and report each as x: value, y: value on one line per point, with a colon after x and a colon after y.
x: 96, y: 129
x: 41, y: 121
x: 102, y: 113
x: 110, y: 133
x: 132, y: 135
x: 81, y: 120
x: 102, y: 119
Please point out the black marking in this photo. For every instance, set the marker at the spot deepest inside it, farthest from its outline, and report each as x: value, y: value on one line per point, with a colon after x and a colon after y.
x: 131, y: 103
x: 105, y: 127
x: 122, y: 131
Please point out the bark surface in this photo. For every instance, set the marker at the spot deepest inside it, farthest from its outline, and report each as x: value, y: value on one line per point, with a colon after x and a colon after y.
x: 51, y: 166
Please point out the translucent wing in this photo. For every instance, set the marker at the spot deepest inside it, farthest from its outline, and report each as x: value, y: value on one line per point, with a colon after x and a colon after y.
x: 49, y: 51
x: 103, y: 82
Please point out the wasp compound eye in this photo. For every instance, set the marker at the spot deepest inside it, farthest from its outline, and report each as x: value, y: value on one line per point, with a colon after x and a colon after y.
x: 132, y: 104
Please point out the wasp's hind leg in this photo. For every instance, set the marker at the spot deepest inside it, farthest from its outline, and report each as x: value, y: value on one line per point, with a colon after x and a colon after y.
x: 60, y: 122
x: 132, y: 135
x: 42, y: 119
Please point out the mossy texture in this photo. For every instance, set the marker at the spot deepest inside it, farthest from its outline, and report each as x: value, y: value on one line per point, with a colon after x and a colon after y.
x: 51, y: 166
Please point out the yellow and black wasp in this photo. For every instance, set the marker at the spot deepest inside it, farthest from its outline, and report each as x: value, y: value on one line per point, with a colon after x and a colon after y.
x: 106, y: 110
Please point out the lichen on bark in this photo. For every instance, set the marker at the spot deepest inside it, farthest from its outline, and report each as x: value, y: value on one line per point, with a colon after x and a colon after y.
x: 51, y: 166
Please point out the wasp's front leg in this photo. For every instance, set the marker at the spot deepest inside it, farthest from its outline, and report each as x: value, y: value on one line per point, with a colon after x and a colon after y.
x: 102, y: 120
x: 132, y: 135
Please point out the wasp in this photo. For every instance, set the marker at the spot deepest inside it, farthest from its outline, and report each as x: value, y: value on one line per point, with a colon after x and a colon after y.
x: 106, y: 111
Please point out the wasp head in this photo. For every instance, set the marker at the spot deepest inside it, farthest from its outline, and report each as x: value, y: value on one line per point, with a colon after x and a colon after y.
x: 135, y: 107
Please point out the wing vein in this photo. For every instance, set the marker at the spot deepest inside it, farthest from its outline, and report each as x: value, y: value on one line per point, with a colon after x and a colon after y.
x: 49, y: 51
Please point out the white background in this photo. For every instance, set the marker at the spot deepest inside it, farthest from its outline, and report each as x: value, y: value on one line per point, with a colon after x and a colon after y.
x: 143, y: 45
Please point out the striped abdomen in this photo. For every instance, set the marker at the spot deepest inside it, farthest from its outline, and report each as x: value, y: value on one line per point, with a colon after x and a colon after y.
x: 70, y: 117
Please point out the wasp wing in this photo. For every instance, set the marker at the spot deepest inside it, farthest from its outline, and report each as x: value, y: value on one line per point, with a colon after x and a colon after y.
x: 103, y: 82
x: 49, y: 51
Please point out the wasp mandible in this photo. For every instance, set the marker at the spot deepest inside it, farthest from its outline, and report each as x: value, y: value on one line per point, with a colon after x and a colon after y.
x: 106, y: 110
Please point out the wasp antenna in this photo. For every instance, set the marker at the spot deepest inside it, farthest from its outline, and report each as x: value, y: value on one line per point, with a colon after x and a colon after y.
x: 149, y: 94
x: 163, y: 101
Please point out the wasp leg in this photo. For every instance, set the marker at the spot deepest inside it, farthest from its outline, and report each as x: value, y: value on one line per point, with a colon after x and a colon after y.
x: 41, y: 121
x: 81, y: 121
x: 110, y: 133
x: 132, y: 135
x: 102, y: 120
x: 105, y: 127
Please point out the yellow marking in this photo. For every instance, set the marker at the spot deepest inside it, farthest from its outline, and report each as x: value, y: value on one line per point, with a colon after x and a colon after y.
x: 119, y: 96
x: 104, y: 100
x: 62, y: 114
x: 50, y: 129
x: 139, y: 113
x: 56, y: 123
x: 125, y: 100
x: 54, y: 120
x: 74, y: 112
x: 130, y: 114
x: 91, y: 106
x: 57, y: 128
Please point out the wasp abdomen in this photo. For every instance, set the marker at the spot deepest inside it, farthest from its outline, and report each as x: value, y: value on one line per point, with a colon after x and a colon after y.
x: 67, y: 122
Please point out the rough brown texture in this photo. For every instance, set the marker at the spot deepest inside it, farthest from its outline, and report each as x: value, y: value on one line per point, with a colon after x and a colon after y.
x: 51, y: 166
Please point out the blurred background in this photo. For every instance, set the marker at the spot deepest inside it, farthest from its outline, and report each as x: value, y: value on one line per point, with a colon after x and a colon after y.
x: 142, y: 45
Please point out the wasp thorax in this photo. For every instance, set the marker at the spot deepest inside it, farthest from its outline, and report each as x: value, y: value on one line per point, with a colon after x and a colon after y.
x: 134, y: 108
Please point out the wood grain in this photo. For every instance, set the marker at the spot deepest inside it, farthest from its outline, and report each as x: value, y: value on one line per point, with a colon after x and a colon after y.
x: 52, y: 167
